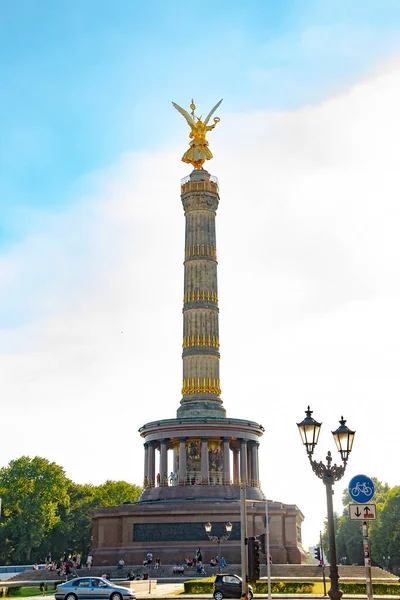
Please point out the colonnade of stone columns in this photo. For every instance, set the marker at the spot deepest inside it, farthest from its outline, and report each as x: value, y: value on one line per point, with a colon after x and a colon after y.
x: 245, y: 464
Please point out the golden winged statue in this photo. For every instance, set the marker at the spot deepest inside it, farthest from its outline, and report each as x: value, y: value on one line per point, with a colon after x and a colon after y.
x: 198, y: 151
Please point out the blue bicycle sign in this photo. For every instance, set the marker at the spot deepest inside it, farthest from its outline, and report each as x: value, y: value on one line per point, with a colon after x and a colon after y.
x: 361, y: 489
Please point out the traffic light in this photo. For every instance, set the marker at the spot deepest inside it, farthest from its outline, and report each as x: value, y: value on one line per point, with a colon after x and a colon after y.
x: 317, y: 553
x: 262, y: 542
x: 253, y: 556
x: 257, y: 558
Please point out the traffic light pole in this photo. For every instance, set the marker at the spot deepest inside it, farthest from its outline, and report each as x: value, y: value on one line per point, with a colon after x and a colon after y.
x: 323, y: 562
x: 243, y: 541
x: 267, y: 550
x: 367, y: 559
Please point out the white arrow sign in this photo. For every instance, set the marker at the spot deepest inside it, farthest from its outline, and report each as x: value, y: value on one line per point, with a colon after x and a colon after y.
x: 362, y: 512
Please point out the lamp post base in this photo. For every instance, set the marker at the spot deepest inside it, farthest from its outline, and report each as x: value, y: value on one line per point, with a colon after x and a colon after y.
x: 335, y: 594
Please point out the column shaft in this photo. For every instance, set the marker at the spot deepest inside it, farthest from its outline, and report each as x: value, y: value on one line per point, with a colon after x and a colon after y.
x: 204, y: 462
x: 257, y: 445
x: 236, y: 479
x: 243, y: 461
x: 146, y: 462
x: 182, y: 461
x: 152, y: 464
x: 163, y: 462
x: 227, y: 462
x: 249, y: 464
x: 201, y: 384
x: 254, y: 477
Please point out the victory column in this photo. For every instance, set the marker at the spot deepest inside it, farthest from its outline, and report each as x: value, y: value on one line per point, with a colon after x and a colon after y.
x: 194, y: 464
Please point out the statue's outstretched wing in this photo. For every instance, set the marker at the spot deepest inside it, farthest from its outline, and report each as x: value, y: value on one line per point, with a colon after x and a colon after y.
x: 212, y: 111
x: 183, y: 112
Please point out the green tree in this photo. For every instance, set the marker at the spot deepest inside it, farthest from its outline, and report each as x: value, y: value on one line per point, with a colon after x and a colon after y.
x: 73, y: 533
x: 113, y: 493
x: 32, y: 490
x: 349, y: 542
x: 385, y: 535
x: 43, y: 511
x: 349, y: 539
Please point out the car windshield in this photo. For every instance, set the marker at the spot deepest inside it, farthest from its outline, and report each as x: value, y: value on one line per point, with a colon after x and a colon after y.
x: 231, y: 579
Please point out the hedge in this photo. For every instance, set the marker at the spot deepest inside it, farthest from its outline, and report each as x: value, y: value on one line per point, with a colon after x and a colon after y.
x: 284, y: 587
x: 199, y: 586
x: 205, y: 586
x: 14, y: 591
x: 382, y: 589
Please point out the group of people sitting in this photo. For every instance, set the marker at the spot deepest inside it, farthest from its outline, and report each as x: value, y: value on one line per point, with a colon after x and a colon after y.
x: 192, y: 562
x: 148, y: 561
x: 178, y: 569
x: 214, y: 562
x: 138, y: 577
x: 200, y: 569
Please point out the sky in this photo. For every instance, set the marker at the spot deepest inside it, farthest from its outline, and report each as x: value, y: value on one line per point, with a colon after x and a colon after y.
x: 92, y: 228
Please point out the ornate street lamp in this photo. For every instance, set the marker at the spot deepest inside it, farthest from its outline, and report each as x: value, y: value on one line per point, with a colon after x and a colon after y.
x: 344, y: 437
x: 218, y: 539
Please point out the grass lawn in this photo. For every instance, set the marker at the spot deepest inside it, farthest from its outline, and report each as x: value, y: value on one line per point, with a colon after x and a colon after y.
x: 32, y: 590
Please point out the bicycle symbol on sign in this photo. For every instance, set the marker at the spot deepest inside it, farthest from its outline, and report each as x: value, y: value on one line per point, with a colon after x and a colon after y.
x: 361, y: 488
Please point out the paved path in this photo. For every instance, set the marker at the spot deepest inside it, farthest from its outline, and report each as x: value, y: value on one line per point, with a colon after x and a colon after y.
x: 164, y: 590
x: 175, y: 590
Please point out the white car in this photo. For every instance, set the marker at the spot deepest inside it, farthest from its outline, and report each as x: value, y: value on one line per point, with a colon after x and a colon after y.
x: 96, y: 588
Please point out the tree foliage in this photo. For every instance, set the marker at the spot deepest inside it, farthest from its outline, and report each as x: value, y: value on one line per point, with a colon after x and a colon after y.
x: 385, y: 535
x: 31, y: 492
x: 44, y: 511
x: 384, y: 532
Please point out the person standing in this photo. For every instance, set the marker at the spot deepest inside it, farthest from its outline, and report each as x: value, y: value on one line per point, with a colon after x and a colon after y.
x: 89, y: 561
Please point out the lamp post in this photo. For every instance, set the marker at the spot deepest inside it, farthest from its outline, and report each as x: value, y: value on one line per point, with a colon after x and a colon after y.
x: 344, y: 437
x: 218, y: 539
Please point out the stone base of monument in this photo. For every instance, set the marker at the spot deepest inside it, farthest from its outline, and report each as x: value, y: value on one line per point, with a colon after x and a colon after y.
x: 174, y: 529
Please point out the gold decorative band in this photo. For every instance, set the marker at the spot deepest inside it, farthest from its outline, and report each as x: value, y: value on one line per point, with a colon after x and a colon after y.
x: 190, y: 341
x: 197, y: 295
x: 199, y: 186
x: 201, y: 385
x: 201, y: 250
